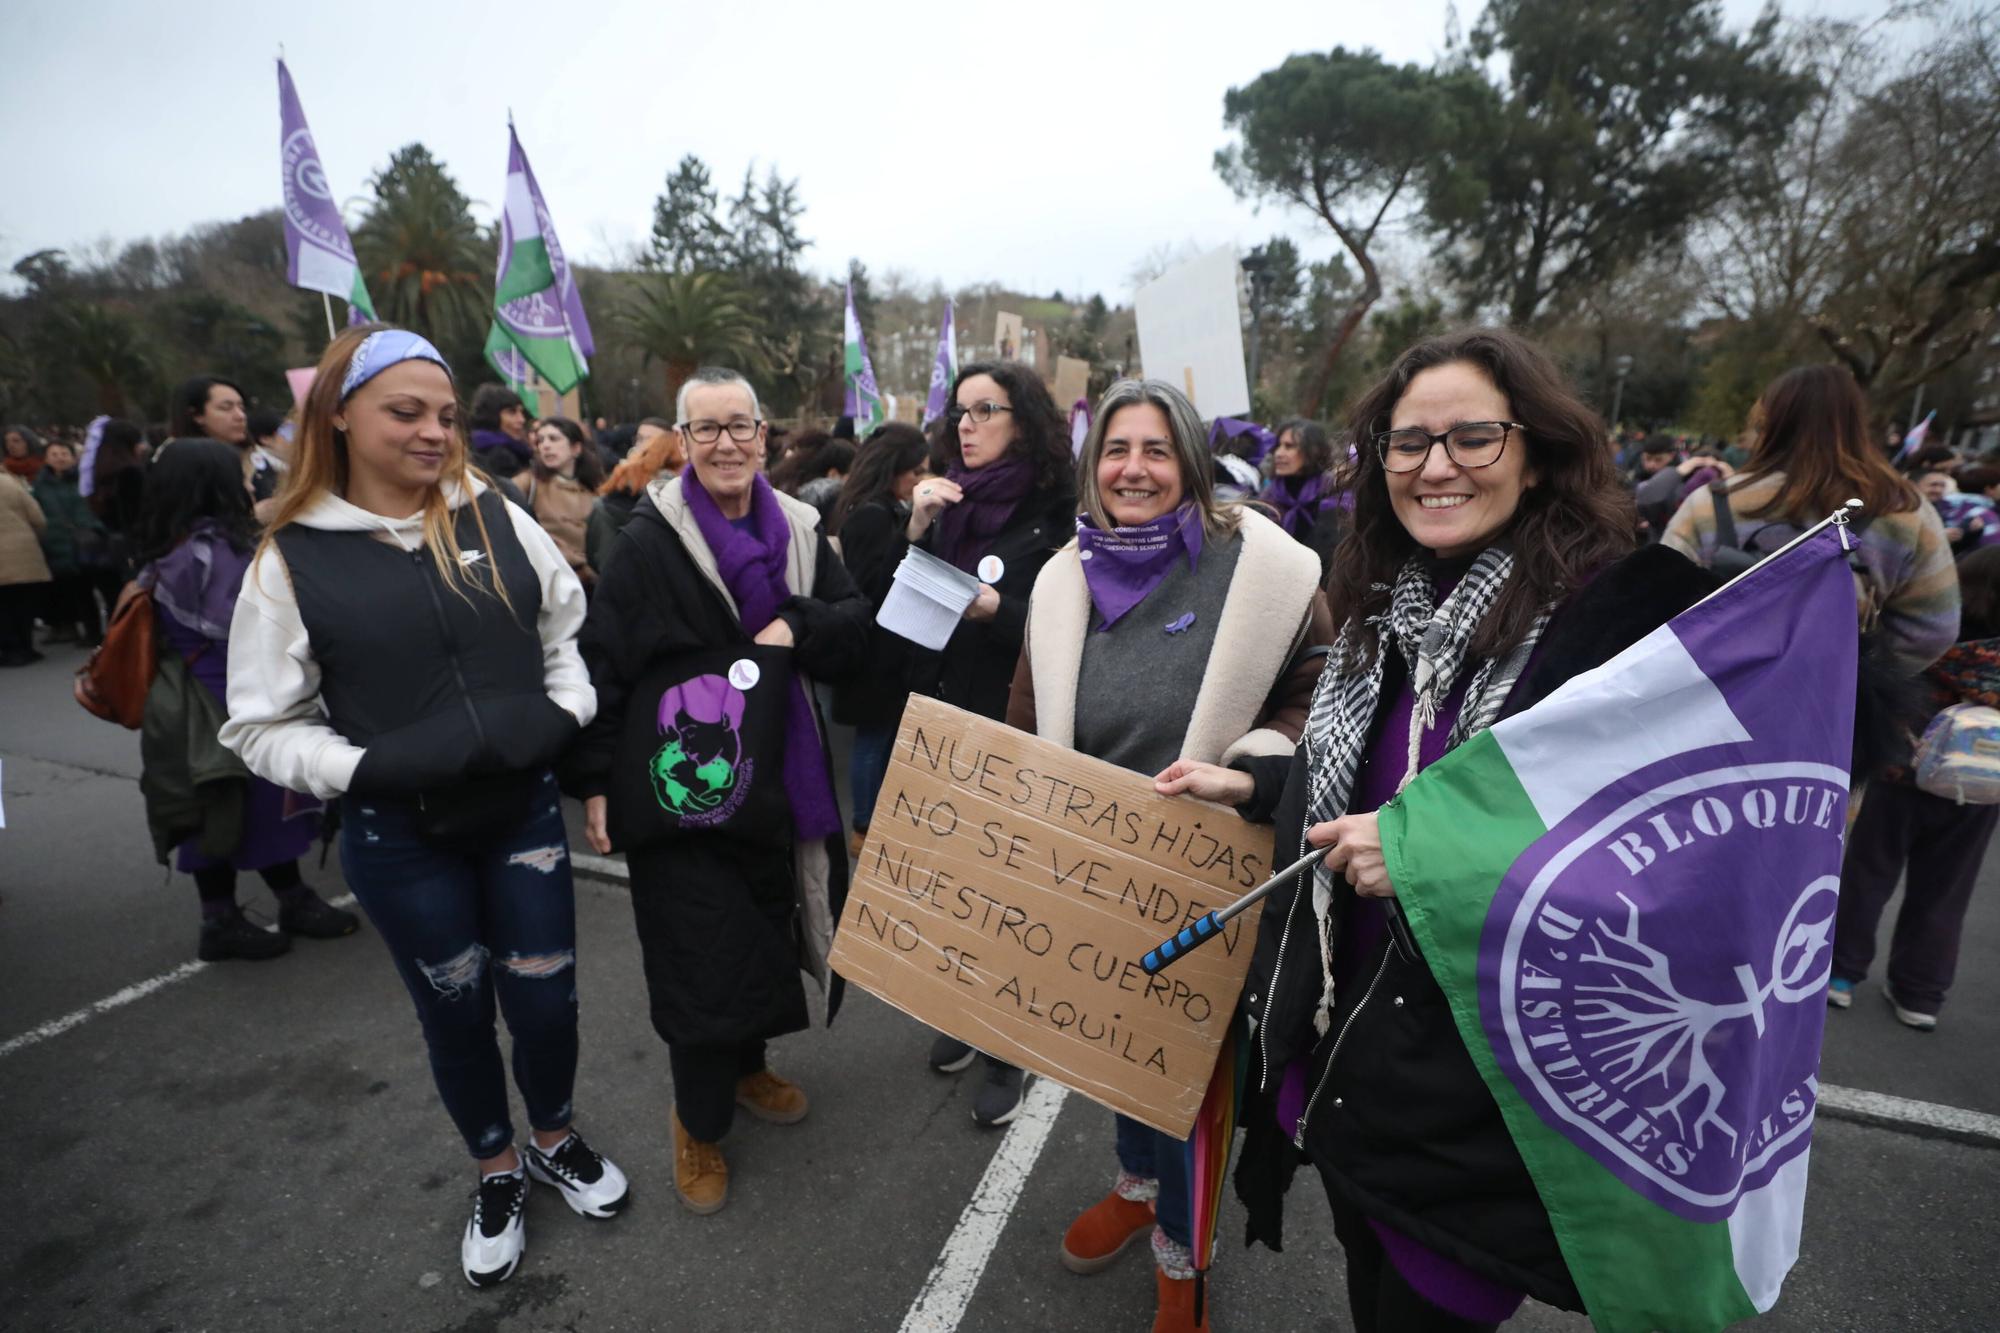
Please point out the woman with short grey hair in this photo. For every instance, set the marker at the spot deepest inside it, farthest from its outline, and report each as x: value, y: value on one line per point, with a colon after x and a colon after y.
x: 1218, y: 612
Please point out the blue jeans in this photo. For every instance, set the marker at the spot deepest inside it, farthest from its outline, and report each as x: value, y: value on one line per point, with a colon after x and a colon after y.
x: 866, y: 768
x: 467, y: 925
x: 1144, y: 1151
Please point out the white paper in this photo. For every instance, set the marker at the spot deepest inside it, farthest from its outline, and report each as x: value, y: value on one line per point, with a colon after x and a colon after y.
x: 1191, y: 333
x: 927, y: 600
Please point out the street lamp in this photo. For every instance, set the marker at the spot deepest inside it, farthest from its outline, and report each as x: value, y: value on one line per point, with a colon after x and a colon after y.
x: 1258, y: 266
x: 1621, y: 366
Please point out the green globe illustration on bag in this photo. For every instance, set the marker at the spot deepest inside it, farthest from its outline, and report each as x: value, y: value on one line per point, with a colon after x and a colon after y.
x: 699, y: 773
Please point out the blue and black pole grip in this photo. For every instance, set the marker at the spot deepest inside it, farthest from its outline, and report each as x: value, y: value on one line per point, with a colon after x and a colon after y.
x: 1156, y: 960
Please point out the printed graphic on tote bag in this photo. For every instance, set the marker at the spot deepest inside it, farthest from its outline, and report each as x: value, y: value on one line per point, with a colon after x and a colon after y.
x: 699, y: 773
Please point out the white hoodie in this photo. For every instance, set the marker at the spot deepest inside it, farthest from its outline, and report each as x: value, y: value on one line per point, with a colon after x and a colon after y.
x: 277, y: 724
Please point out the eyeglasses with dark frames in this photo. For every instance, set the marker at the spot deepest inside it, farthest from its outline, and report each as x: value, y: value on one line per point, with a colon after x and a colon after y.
x: 740, y: 430
x: 1469, y: 444
x: 981, y: 413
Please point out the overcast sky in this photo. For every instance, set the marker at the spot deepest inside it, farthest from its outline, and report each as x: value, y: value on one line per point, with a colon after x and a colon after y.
x: 1043, y: 146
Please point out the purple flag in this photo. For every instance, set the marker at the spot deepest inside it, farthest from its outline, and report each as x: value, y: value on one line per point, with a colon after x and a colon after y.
x: 943, y: 370
x: 318, y: 254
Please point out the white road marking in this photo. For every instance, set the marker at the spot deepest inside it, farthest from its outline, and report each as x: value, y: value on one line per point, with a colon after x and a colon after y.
x: 605, y: 866
x: 1902, y: 1113
x: 55, y: 1027
x: 946, y: 1293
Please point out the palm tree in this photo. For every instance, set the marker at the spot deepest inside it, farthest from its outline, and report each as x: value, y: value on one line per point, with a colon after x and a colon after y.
x: 688, y: 320
x: 427, y: 263
x: 105, y: 346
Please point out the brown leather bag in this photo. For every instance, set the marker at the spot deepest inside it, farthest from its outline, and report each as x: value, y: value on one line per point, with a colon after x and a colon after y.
x: 114, y: 682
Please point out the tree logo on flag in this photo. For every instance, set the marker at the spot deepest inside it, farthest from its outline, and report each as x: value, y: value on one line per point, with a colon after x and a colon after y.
x: 1656, y: 977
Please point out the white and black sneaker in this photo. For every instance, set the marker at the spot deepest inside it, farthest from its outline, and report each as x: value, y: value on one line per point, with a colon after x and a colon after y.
x: 495, y: 1234
x: 588, y: 1181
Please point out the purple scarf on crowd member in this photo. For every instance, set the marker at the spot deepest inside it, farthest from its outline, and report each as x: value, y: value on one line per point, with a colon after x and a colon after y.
x: 1299, y: 506
x: 1122, y: 566
x: 965, y: 531
x: 486, y: 443
x: 196, y: 583
x: 752, y: 565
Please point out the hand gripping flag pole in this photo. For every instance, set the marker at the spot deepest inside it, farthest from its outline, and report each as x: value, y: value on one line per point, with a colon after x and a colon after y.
x: 1208, y: 927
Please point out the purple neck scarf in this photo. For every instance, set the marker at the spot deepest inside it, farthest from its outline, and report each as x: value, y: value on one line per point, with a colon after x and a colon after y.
x: 1298, y: 505
x: 752, y: 565
x: 964, y: 532
x: 1123, y: 565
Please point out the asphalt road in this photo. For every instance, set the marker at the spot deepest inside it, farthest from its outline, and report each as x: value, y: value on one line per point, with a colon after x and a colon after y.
x: 259, y: 1146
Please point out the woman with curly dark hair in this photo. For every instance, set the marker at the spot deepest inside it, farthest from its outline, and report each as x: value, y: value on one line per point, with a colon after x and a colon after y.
x: 1005, y: 504
x: 1489, y: 561
x: 194, y: 541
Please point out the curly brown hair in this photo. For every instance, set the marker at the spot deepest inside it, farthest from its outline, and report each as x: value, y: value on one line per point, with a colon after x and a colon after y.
x: 1575, y: 520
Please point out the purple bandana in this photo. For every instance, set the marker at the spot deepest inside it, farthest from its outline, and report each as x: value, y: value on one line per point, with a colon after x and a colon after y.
x: 1298, y: 506
x: 752, y: 565
x: 965, y: 531
x: 1125, y: 564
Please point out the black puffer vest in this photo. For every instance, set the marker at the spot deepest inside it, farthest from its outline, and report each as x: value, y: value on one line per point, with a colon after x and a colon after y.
x: 438, y: 684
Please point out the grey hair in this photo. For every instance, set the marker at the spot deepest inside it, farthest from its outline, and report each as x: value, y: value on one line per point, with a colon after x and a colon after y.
x: 1190, y: 442
x: 711, y: 376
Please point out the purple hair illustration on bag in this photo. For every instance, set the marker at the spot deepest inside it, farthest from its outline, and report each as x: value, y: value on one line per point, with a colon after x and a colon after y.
x: 699, y: 773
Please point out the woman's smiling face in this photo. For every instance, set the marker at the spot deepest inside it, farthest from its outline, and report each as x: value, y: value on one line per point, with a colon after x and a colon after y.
x: 1448, y: 509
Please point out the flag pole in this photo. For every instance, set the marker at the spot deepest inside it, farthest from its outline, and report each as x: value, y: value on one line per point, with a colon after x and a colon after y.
x: 1208, y: 927
x: 1837, y: 519
x: 326, y: 303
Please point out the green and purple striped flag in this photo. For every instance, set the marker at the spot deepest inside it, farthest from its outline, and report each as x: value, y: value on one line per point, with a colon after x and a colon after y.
x: 1627, y: 894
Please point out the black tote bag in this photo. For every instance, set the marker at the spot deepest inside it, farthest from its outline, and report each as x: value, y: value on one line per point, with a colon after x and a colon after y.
x: 703, y: 749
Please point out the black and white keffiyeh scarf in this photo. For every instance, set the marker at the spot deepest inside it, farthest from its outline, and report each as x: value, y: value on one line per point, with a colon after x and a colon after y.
x: 1432, y: 638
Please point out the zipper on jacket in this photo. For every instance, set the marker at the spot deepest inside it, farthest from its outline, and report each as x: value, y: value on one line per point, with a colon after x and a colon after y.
x: 451, y: 654
x: 1277, y: 968
x: 1299, y: 1138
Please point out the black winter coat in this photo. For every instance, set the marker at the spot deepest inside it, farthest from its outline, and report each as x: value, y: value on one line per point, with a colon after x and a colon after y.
x: 976, y: 668
x: 872, y: 543
x: 719, y: 916
x: 1404, y: 1129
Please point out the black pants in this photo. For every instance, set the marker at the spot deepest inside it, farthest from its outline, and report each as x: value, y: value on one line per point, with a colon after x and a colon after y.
x: 1378, y: 1299
x: 73, y: 601
x: 705, y: 1084
x: 19, y: 604
x: 1942, y: 843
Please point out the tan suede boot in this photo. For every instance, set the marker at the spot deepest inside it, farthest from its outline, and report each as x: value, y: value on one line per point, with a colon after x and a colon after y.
x: 768, y: 1097
x: 701, y: 1177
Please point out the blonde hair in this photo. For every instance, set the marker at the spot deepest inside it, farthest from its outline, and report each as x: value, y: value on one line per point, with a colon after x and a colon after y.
x: 320, y: 468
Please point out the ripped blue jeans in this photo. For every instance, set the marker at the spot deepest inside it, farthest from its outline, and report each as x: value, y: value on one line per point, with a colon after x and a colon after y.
x: 469, y: 926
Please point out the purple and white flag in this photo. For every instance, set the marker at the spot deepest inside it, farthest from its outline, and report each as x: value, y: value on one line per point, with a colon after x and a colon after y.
x: 944, y: 369
x: 535, y: 300
x: 1627, y: 895
x: 318, y: 254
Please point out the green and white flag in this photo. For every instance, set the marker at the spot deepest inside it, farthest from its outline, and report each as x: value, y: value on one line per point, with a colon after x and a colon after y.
x: 535, y: 303
x: 508, y: 363
x: 862, y: 400
x: 1627, y: 894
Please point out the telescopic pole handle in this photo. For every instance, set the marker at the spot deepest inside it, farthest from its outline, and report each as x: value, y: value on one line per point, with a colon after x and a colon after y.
x: 1208, y: 927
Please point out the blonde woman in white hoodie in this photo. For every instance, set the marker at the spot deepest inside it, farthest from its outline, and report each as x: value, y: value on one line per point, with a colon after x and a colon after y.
x: 405, y: 642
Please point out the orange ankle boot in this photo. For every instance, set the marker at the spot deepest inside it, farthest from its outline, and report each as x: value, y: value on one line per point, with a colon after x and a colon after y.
x: 1176, y: 1308
x: 1101, y: 1234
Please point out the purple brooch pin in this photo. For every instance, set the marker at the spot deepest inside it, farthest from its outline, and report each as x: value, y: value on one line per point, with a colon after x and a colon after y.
x: 1175, y: 627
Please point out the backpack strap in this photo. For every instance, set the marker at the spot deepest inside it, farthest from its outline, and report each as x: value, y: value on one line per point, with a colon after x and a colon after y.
x: 1725, y: 518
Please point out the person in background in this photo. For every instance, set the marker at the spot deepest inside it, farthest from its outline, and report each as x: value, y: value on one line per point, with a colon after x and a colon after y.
x: 268, y: 441
x: 118, y: 491
x: 562, y: 490
x: 1934, y: 484
x: 1812, y: 453
x: 656, y: 451
x: 22, y: 453
x: 194, y: 543
x: 1305, y: 491
x: 1973, y: 509
x: 78, y: 551
x: 1155, y: 667
x: 1934, y: 845
x: 869, y: 523
x: 210, y: 407
x: 715, y: 562
x: 1005, y: 504
x: 1518, y: 537
x: 24, y: 571
x: 373, y: 660
x: 500, y: 446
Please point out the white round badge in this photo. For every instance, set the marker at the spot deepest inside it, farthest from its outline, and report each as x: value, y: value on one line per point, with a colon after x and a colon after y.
x: 992, y: 569
x: 743, y: 673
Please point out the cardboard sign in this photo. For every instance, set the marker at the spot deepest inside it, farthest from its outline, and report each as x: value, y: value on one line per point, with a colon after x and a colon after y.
x: 1191, y: 333
x: 1072, y: 381
x: 1010, y: 886
x: 1007, y: 336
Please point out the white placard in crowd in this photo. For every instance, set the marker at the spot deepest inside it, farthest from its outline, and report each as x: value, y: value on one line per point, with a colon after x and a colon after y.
x: 1191, y: 333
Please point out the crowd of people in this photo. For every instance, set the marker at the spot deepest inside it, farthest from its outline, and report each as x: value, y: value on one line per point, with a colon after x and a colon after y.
x: 431, y: 627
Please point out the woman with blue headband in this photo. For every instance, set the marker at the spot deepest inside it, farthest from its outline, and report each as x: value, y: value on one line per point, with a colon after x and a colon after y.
x: 406, y: 642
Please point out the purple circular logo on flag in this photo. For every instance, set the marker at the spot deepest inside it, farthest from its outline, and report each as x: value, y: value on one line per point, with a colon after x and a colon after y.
x: 309, y: 203
x: 1653, y: 977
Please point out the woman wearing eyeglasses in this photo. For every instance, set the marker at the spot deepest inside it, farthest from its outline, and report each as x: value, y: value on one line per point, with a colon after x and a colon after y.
x: 1005, y: 504
x: 1490, y: 556
x: 707, y: 764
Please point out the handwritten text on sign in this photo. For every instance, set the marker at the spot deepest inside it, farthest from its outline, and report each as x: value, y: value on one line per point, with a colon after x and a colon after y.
x: 1009, y: 888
